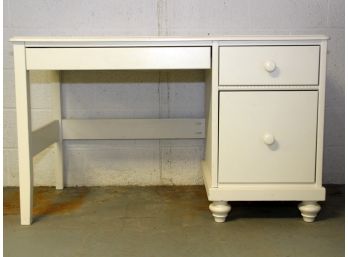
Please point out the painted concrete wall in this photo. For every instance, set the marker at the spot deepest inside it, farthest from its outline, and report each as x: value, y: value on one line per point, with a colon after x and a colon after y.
x: 155, y: 94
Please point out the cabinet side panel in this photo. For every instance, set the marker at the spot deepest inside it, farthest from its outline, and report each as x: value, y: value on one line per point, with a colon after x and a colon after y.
x: 211, y: 103
x: 321, y: 112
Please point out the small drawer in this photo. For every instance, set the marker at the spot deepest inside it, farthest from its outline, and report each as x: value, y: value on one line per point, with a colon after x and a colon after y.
x: 269, y: 65
x: 267, y: 136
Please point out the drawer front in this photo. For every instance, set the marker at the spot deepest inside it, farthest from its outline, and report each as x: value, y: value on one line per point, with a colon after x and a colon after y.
x: 269, y: 65
x: 267, y: 137
x: 121, y: 58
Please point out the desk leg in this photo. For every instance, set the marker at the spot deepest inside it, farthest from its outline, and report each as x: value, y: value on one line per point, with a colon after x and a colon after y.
x: 220, y: 210
x: 25, y: 161
x: 309, y: 210
x: 57, y: 115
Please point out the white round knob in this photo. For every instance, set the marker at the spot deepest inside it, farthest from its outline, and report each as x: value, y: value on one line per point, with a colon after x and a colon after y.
x: 270, y: 66
x: 268, y: 139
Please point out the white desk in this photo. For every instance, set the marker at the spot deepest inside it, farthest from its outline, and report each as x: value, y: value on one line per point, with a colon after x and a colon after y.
x: 264, y: 120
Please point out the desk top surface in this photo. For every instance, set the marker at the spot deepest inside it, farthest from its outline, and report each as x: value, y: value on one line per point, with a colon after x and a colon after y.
x: 56, y: 39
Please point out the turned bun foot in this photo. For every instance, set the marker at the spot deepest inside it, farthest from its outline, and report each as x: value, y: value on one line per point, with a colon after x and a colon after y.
x: 309, y: 210
x: 220, y: 210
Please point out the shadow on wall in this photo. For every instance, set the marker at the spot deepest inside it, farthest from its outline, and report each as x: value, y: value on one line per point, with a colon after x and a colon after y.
x: 119, y: 77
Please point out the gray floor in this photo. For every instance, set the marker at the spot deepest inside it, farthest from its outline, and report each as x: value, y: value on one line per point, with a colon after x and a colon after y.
x: 167, y: 221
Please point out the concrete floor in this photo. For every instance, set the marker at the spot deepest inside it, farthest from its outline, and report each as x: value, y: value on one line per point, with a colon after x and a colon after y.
x: 167, y: 221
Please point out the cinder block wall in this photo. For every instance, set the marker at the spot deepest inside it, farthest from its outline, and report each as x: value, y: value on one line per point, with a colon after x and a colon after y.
x: 155, y: 93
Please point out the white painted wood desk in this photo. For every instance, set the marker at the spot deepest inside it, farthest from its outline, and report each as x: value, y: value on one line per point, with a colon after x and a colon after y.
x: 264, y: 120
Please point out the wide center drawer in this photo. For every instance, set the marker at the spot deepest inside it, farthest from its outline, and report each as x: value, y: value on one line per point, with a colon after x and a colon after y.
x: 269, y: 65
x: 118, y: 58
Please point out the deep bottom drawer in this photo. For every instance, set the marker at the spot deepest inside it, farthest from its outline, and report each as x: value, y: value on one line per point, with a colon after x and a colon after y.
x: 267, y: 137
